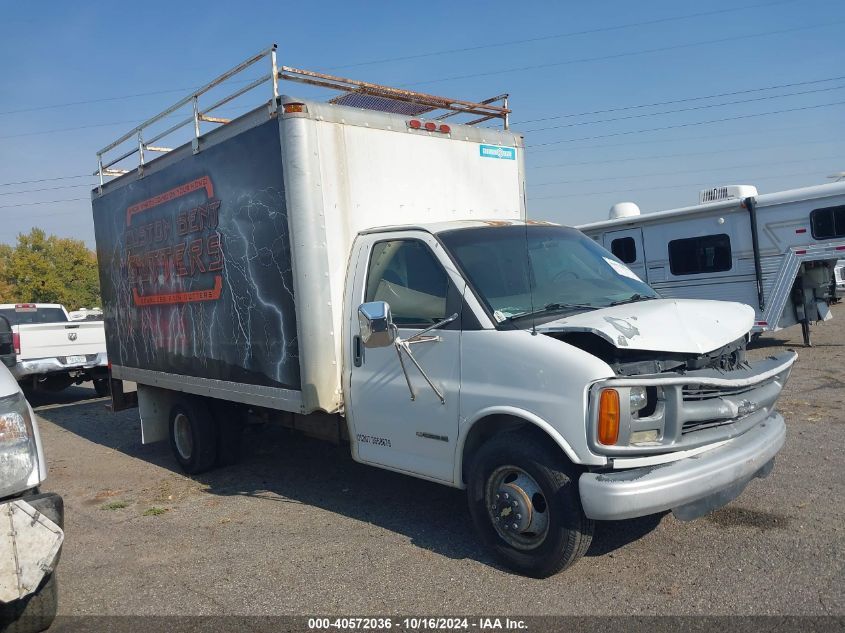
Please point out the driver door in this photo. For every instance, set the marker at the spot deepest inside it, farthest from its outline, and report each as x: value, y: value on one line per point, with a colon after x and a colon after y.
x: 408, y: 270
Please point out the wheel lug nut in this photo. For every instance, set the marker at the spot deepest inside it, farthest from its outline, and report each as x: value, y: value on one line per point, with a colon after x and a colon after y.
x: 518, y: 517
x: 507, y: 496
x: 514, y: 526
x: 513, y: 503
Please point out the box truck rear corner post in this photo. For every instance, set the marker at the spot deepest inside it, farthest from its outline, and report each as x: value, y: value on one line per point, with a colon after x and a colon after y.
x: 363, y: 271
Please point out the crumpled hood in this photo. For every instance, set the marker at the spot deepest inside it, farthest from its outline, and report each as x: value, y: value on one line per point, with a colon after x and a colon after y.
x: 686, y: 326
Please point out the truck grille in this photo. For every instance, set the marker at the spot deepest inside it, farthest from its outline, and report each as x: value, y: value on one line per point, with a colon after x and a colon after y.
x: 694, y: 393
x: 710, y: 406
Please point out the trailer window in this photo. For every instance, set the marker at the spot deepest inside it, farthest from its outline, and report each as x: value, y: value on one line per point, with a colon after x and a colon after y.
x: 828, y: 223
x: 405, y: 274
x: 625, y: 249
x: 695, y: 255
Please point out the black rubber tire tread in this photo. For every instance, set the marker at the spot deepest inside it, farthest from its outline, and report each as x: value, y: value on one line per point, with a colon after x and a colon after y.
x: 34, y: 613
x: 203, y: 430
x: 102, y: 386
x: 570, y: 531
x: 230, y: 419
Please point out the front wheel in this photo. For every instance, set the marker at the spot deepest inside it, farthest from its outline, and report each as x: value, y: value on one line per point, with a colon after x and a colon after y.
x: 524, y: 501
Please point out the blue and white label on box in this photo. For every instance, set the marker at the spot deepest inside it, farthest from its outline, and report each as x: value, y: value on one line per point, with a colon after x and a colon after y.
x: 494, y: 151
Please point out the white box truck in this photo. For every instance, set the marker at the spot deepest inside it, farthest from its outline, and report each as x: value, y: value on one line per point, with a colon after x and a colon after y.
x: 362, y: 272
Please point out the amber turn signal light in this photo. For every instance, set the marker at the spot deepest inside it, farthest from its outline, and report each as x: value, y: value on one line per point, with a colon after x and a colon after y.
x: 608, y: 417
x: 294, y: 108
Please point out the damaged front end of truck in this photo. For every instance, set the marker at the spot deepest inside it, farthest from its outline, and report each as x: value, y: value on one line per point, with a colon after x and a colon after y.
x: 682, y: 430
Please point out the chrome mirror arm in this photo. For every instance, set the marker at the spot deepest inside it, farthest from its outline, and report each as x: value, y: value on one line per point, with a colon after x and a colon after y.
x: 418, y: 337
x: 398, y: 345
x: 402, y: 346
x: 405, y: 346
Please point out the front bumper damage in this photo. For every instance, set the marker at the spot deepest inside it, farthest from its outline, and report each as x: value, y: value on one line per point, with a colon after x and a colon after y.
x: 31, y: 538
x: 690, y: 487
x: 718, y: 431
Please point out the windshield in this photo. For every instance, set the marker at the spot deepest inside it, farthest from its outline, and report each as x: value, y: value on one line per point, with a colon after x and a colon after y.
x: 568, y: 271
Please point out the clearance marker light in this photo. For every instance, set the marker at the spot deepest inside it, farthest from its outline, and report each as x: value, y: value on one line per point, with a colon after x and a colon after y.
x: 429, y: 126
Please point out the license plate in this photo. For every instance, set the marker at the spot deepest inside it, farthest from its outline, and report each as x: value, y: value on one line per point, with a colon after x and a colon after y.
x: 75, y: 360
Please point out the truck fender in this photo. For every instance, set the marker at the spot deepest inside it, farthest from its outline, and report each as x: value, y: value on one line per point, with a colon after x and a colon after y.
x: 516, y: 414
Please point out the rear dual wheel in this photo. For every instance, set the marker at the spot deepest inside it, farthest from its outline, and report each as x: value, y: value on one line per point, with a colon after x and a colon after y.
x: 205, y: 433
x: 193, y: 435
x: 524, y: 501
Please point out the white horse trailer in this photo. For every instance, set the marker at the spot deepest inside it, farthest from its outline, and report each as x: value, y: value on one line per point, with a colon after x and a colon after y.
x: 775, y: 252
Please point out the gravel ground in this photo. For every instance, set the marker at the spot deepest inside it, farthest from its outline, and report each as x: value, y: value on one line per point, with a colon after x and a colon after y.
x: 298, y: 527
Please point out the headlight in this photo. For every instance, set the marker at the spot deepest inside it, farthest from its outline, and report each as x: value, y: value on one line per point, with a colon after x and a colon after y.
x: 639, y: 398
x: 18, y: 454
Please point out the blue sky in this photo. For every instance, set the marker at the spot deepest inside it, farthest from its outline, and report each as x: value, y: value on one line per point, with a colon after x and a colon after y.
x: 580, y: 58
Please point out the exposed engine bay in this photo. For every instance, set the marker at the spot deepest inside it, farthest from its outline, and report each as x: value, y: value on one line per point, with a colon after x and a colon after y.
x: 633, y: 362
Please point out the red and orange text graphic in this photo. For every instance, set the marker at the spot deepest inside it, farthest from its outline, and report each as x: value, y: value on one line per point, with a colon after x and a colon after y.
x: 163, y: 252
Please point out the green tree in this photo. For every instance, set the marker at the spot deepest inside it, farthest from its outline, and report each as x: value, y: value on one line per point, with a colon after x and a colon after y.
x: 49, y: 269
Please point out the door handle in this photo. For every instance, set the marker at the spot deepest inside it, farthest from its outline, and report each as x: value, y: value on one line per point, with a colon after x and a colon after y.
x: 357, y: 351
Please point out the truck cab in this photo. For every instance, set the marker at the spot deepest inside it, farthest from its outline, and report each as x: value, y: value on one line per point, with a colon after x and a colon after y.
x: 525, y: 363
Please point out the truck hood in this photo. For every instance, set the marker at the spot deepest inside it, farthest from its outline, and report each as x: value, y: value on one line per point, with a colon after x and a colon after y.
x: 686, y: 326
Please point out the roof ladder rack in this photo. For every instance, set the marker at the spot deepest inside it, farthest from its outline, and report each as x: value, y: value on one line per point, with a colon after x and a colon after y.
x: 353, y: 93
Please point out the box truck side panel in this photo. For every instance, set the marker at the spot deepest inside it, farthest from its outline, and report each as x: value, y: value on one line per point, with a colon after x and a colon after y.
x: 195, y: 266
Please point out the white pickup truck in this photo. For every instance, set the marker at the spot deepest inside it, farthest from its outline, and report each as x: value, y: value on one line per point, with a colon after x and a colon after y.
x: 53, y: 352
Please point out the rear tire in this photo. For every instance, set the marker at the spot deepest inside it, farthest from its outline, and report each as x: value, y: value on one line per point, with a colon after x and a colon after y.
x: 193, y: 435
x: 542, y: 485
x: 34, y: 613
x: 230, y: 420
x: 102, y: 387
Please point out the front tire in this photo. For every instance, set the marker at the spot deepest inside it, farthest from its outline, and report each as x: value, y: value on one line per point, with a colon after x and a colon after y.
x: 193, y: 435
x: 524, y: 502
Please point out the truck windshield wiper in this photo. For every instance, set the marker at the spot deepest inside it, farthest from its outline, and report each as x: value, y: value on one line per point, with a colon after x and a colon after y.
x: 554, y: 307
x: 632, y: 299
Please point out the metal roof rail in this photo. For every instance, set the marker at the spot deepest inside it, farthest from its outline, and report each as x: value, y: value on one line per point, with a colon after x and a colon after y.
x: 354, y: 93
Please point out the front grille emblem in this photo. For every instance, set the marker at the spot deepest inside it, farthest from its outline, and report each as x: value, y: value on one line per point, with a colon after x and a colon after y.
x: 71, y: 336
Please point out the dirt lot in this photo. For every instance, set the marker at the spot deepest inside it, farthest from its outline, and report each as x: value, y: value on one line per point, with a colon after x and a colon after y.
x: 298, y: 527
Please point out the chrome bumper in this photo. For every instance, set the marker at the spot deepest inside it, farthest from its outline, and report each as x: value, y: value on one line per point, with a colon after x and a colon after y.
x: 691, y: 486
x: 26, y: 368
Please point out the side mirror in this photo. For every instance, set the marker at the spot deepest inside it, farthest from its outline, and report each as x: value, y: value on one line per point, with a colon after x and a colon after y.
x: 376, y: 324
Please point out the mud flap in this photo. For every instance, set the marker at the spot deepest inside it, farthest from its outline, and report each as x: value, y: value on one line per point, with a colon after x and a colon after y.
x: 29, y: 549
x: 706, y: 505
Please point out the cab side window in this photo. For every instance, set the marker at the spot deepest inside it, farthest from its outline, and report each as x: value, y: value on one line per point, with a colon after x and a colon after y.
x: 405, y: 274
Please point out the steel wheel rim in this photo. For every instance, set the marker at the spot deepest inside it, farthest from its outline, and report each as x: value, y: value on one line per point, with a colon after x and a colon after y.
x: 182, y: 435
x: 517, y: 507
